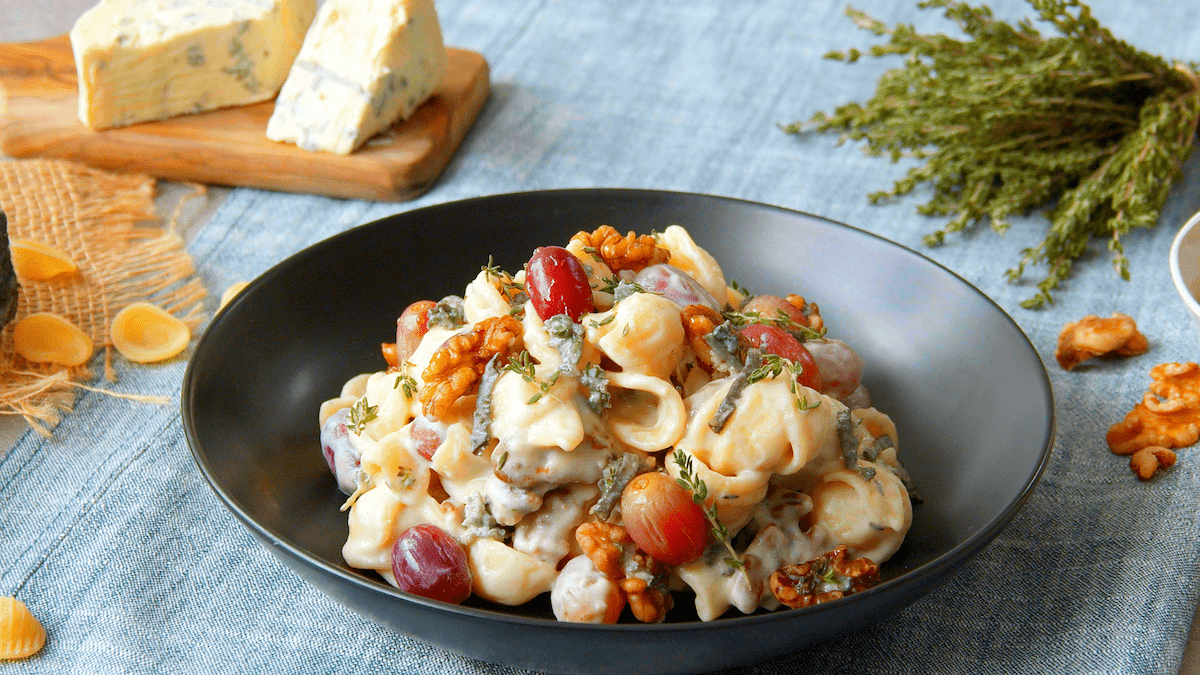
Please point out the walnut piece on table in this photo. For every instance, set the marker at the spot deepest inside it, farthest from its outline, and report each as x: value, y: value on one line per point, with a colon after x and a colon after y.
x: 1147, y: 461
x: 1092, y: 336
x: 1167, y: 417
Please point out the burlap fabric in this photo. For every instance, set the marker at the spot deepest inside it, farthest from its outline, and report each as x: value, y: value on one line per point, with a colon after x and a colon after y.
x: 107, y: 224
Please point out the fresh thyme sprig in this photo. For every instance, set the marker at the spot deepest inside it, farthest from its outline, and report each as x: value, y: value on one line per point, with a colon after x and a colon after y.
x: 361, y: 414
x: 615, y: 284
x: 510, y: 288
x: 773, y: 366
x: 523, y: 366
x: 544, y: 388
x: 594, y: 253
x: 695, y: 485
x: 779, y: 320
x: 1083, y: 126
x: 407, y: 385
x: 742, y: 290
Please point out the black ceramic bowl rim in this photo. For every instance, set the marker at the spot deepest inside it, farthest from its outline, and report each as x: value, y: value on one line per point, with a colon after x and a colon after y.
x: 934, y: 569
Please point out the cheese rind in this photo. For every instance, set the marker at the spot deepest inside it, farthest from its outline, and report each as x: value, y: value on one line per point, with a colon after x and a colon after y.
x: 141, y: 60
x: 364, y: 65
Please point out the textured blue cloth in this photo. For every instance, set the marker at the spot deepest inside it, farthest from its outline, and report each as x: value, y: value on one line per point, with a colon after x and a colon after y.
x: 111, y: 536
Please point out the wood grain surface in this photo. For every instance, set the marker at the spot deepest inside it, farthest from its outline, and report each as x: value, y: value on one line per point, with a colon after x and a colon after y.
x: 39, y: 118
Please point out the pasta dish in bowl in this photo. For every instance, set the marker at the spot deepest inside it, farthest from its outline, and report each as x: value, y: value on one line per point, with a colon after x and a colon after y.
x: 580, y: 394
x: 610, y: 424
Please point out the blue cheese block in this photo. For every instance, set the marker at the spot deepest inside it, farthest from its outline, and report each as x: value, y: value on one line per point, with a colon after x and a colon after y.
x: 364, y: 65
x: 140, y: 60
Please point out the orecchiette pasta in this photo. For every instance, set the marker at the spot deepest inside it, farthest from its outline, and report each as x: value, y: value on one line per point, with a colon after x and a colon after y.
x: 505, y: 575
x: 646, y: 412
x: 537, y: 472
x: 693, y: 260
x: 642, y: 334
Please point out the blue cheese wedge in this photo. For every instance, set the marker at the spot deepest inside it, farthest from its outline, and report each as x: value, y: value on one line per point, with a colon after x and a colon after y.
x: 140, y: 60
x: 364, y: 65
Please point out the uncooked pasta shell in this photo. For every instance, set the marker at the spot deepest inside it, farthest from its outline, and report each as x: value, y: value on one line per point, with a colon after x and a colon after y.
x: 231, y: 292
x: 48, y: 338
x: 20, y: 633
x: 145, y: 333
x: 37, y: 261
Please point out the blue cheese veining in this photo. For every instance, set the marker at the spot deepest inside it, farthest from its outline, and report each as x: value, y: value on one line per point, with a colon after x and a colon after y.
x: 364, y: 65
x: 141, y: 60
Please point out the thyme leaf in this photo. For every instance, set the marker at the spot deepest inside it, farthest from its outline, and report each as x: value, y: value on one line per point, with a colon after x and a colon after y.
x: 696, y: 485
x: 594, y: 253
x: 780, y: 320
x: 1081, y: 126
x: 512, y: 290
x: 544, y: 388
x: 773, y: 366
x: 405, y: 478
x: 521, y: 365
x: 360, y: 415
x: 741, y: 290
x: 407, y: 385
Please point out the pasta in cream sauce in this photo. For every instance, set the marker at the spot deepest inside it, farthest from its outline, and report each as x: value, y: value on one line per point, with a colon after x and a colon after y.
x: 518, y: 417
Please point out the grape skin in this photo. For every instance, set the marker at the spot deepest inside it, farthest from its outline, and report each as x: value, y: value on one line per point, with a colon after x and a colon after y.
x: 427, y: 561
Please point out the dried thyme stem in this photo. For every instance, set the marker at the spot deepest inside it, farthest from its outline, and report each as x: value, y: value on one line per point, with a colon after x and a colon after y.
x: 1082, y: 125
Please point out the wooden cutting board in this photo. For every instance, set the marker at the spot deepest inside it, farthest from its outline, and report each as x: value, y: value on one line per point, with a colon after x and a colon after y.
x: 39, y: 118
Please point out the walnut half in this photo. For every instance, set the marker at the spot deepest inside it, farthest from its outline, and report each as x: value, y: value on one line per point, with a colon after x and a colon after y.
x: 456, y: 366
x: 615, y: 556
x: 831, y: 576
x: 1147, y: 461
x: 630, y: 252
x: 1092, y: 336
x: 1168, y: 416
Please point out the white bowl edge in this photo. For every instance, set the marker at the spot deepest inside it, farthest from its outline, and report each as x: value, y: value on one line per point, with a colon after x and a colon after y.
x: 1185, y: 265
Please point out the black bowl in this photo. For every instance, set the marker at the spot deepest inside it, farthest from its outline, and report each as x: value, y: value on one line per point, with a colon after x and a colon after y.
x: 968, y: 392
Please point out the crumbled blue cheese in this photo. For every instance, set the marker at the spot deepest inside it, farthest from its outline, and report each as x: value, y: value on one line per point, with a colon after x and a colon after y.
x: 447, y: 313
x: 739, y: 382
x: 478, y: 522
x: 723, y: 342
x: 624, y: 289
x: 566, y: 336
x: 849, y: 445
x: 481, y: 422
x: 617, y: 474
x: 596, y: 382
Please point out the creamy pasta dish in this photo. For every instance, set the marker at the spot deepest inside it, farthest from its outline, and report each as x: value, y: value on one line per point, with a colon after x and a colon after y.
x: 617, y: 425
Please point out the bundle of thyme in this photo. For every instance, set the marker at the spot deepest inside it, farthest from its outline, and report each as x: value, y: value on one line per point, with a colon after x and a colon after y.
x: 1008, y: 121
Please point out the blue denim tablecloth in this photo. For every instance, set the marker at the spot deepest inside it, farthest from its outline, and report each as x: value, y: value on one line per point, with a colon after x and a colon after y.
x: 111, y: 536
